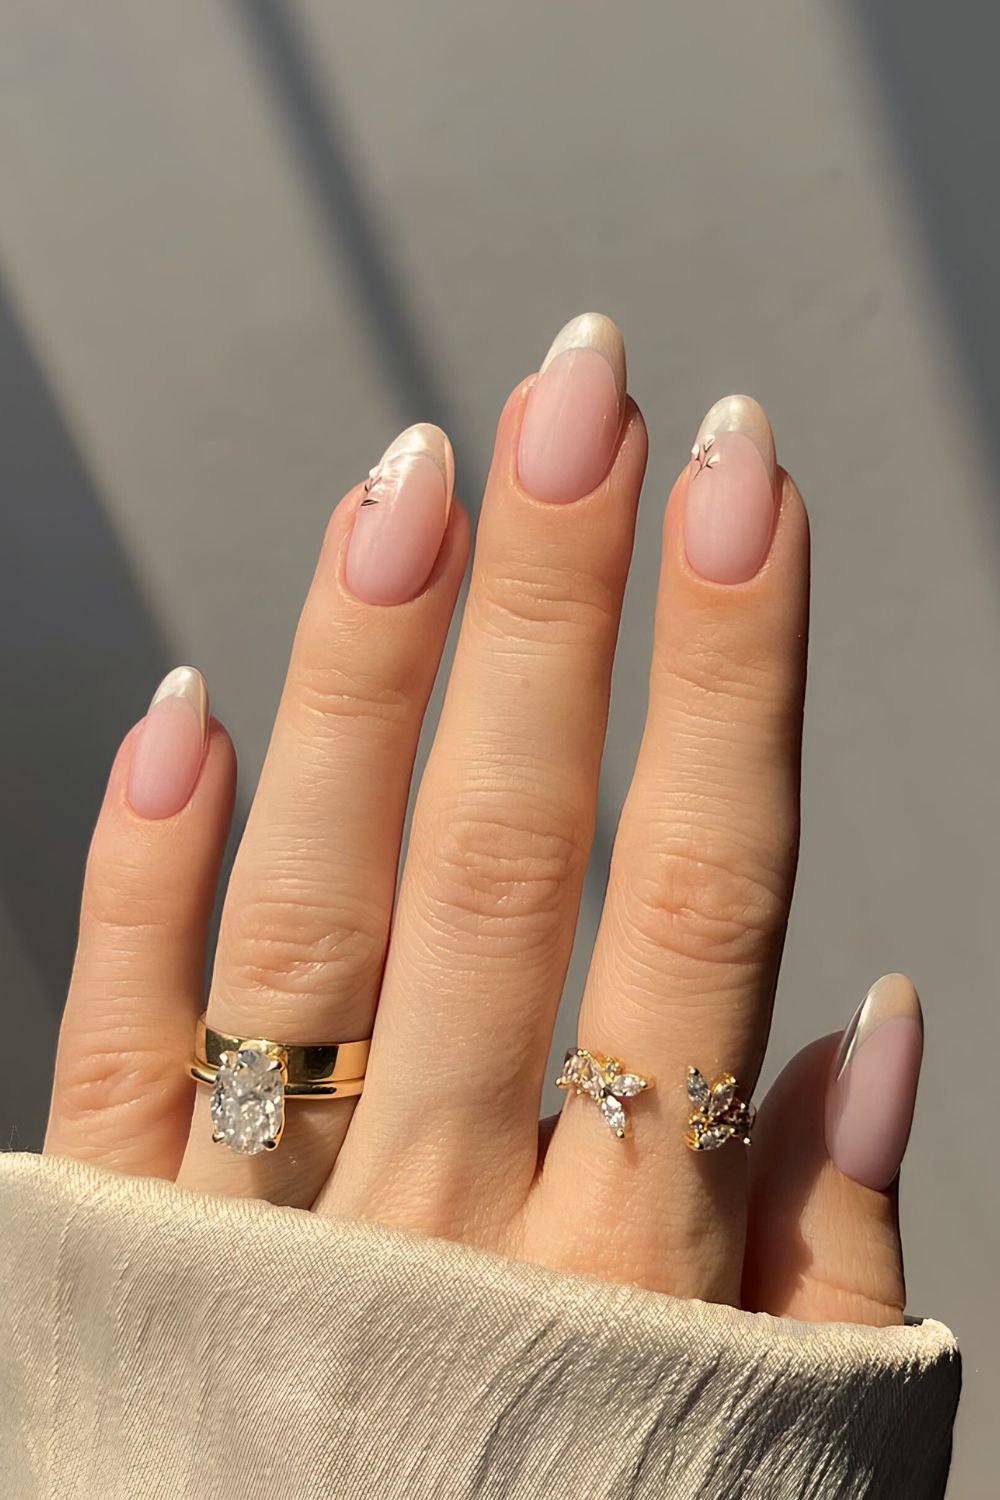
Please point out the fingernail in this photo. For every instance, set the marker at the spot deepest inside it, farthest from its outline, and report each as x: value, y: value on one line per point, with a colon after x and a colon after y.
x: 574, y: 412
x: 170, y: 749
x: 873, y: 1084
x: 729, y: 510
x: 400, y: 524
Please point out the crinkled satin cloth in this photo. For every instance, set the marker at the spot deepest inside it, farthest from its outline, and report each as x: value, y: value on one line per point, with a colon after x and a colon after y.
x: 158, y: 1342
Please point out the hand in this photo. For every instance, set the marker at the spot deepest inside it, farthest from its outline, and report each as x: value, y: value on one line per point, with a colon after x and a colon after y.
x: 466, y: 973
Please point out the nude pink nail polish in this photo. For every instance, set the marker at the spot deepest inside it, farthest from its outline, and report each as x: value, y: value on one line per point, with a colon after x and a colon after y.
x: 729, y: 509
x: 400, y: 524
x: 574, y: 410
x: 170, y: 748
x: 873, y: 1084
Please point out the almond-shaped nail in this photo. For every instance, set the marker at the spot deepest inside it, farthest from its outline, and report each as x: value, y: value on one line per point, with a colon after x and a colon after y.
x: 730, y: 507
x: 574, y: 412
x: 873, y: 1084
x: 170, y: 748
x: 400, y: 524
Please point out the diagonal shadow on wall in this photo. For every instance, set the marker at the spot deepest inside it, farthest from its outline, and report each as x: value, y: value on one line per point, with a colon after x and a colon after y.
x: 935, y: 70
x: 309, y: 112
x: 79, y: 656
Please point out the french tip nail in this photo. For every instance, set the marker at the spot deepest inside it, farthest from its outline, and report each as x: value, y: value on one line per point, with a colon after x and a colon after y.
x: 890, y: 998
x: 423, y: 438
x: 873, y: 1084
x: 401, y: 520
x: 171, y: 746
x: 894, y: 995
x: 738, y: 413
x: 731, y: 505
x: 592, y: 330
x: 189, y: 684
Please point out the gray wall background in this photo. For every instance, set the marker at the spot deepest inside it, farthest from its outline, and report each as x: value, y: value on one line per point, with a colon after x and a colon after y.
x: 243, y: 243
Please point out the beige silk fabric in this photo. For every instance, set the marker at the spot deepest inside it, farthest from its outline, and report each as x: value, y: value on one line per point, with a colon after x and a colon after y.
x: 160, y: 1342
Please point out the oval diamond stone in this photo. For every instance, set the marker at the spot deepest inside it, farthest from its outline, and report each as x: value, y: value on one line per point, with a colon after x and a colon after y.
x: 248, y: 1100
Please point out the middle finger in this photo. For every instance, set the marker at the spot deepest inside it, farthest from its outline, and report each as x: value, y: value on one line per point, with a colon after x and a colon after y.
x: 448, y: 1123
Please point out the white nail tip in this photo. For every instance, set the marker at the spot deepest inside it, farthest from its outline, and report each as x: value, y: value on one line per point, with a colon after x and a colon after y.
x: 422, y: 440
x: 892, y: 995
x: 744, y: 415
x: 592, y: 330
x: 890, y: 998
x: 186, y: 683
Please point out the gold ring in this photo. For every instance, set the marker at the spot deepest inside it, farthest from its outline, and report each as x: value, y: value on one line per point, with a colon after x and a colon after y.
x: 605, y: 1080
x: 251, y: 1078
x: 720, y: 1115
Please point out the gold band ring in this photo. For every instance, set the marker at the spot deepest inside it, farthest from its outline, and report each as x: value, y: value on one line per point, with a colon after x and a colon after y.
x: 335, y: 1068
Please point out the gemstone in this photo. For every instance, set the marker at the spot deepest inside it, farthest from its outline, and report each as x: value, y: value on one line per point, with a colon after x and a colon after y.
x: 712, y: 1137
x: 591, y: 1079
x: 742, y: 1120
x: 248, y: 1100
x: 697, y: 1089
x: 581, y: 1072
x: 572, y: 1063
x: 570, y: 1074
x: 722, y: 1096
x: 627, y: 1085
x: 613, y: 1113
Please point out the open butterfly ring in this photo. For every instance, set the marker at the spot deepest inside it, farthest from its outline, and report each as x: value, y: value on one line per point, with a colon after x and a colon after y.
x: 605, y: 1080
x: 720, y: 1115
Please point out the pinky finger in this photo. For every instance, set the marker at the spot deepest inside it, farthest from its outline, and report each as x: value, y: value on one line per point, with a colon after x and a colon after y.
x: 121, y: 1097
x: 823, y: 1237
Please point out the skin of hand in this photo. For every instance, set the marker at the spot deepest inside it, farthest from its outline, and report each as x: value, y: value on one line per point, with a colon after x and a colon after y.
x: 465, y: 968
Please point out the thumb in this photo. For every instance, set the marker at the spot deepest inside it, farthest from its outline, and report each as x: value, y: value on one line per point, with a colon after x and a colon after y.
x: 823, y: 1234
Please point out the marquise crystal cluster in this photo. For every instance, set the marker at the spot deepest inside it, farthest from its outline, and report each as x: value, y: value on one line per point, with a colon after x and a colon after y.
x: 604, y: 1080
x: 719, y: 1115
x: 248, y: 1100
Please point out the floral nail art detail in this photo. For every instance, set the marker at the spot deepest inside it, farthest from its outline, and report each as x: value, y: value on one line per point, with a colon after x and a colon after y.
x: 700, y: 452
x: 374, y: 475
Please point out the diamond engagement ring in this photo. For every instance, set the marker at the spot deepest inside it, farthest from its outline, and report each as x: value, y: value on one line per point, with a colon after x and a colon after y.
x: 604, y: 1080
x: 251, y: 1079
x: 719, y: 1113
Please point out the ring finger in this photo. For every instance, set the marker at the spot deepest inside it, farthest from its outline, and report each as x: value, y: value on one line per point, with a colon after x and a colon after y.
x: 687, y: 954
x: 306, y: 917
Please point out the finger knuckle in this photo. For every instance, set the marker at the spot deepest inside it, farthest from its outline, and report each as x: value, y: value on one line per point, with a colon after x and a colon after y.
x: 292, y: 945
x: 504, y: 872
x: 720, y: 683
x: 713, y: 663
x: 125, y: 908
x: 688, y: 905
x: 335, y: 697
x: 103, y: 1080
x: 537, y: 604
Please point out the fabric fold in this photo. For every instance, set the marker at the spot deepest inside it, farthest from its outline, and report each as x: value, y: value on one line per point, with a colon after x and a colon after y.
x: 156, y: 1342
